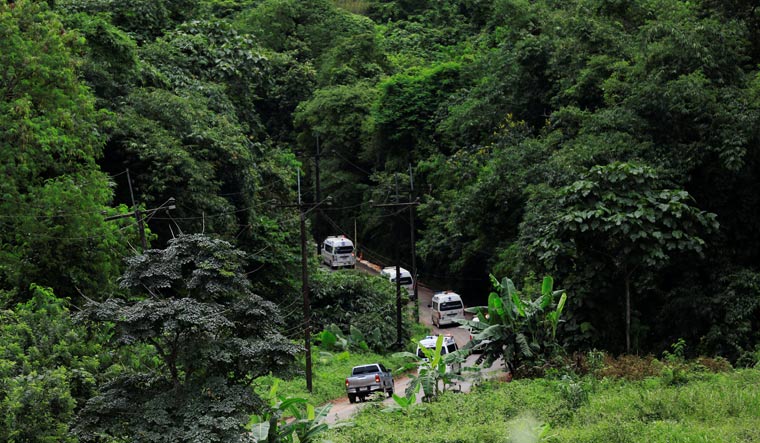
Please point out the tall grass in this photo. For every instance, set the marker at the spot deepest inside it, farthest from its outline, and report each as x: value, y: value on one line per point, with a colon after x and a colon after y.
x: 708, y: 408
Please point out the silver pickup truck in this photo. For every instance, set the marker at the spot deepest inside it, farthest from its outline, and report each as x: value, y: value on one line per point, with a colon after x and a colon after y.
x: 366, y: 379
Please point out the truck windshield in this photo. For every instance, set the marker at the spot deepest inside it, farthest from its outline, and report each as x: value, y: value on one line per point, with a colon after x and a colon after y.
x: 451, y: 305
x: 344, y: 249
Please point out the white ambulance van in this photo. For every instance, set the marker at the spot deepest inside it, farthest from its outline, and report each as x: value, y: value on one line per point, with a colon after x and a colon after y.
x: 406, y: 279
x: 446, y: 307
x: 338, y: 251
x: 449, y: 345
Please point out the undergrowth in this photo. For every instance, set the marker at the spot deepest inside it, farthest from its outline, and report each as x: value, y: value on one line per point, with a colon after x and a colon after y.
x: 709, y: 407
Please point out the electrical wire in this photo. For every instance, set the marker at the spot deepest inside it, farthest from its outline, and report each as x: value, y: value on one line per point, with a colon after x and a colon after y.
x: 89, y: 238
x: 351, y: 163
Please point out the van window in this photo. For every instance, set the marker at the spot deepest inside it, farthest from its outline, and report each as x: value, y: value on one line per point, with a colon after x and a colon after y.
x: 435, y: 305
x: 328, y: 248
x: 404, y: 280
x: 451, y: 348
x: 344, y: 249
x: 451, y: 305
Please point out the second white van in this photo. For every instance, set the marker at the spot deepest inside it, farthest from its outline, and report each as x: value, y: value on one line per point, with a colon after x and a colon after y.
x: 406, y: 281
x: 446, y: 307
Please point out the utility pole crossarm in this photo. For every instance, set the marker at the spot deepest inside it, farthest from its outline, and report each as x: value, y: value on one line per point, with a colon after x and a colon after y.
x: 396, y: 205
x: 146, y: 212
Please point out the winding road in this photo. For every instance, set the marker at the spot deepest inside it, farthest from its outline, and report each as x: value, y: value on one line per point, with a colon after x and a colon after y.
x: 342, y: 409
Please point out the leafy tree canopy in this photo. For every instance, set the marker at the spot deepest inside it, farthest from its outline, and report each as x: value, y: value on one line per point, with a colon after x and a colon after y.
x: 211, y: 337
x: 52, y: 192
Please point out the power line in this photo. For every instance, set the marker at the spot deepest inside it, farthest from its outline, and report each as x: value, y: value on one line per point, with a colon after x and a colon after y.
x: 98, y: 237
x: 350, y: 162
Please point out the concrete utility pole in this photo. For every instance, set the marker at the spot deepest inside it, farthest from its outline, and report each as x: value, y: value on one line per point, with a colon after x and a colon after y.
x: 305, y: 288
x: 414, y: 247
x: 317, y: 197
x: 306, y: 301
x: 140, y: 226
x: 397, y: 256
x: 302, y: 213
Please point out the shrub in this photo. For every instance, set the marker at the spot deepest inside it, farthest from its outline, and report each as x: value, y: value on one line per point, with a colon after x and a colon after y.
x: 630, y: 367
x: 360, y: 305
x: 714, y: 364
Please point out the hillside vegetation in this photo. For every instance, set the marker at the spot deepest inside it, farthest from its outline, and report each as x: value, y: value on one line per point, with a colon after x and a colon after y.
x: 152, y: 152
x: 711, y: 407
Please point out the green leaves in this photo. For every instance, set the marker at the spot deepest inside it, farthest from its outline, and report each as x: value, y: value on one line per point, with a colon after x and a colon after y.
x: 525, y: 336
x: 432, y: 374
x: 47, y: 366
x: 621, y: 213
x: 288, y: 420
x: 51, y: 135
x: 208, y: 336
x: 361, y: 307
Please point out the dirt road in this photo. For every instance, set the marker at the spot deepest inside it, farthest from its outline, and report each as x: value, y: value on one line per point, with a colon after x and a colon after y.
x: 342, y: 409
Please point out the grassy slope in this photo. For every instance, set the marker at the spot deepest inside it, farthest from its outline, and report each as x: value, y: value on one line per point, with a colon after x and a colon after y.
x: 331, y: 369
x: 709, y: 408
x: 329, y: 376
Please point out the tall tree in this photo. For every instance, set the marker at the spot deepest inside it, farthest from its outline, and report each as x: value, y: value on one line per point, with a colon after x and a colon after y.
x: 208, y: 337
x: 52, y: 192
x: 623, y: 214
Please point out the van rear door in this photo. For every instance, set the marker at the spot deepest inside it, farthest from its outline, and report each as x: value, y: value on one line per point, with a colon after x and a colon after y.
x: 451, y: 310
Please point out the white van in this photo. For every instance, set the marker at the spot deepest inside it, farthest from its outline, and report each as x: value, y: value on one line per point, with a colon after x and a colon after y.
x: 449, y: 345
x: 406, y: 279
x: 338, y: 251
x: 446, y: 307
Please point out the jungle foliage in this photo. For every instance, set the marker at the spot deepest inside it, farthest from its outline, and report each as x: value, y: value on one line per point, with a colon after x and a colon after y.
x: 612, y: 144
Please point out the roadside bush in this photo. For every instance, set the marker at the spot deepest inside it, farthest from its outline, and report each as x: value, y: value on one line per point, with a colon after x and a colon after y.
x: 518, y: 327
x: 360, y: 305
x: 630, y: 367
x: 714, y: 364
x: 47, y: 368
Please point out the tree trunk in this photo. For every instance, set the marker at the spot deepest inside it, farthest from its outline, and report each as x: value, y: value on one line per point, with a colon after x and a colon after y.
x: 627, y: 311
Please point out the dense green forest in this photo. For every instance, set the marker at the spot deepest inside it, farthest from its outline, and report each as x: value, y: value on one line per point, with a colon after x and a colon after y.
x: 612, y: 144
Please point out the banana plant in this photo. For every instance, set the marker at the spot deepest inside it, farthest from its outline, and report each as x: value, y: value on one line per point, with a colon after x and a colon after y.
x: 515, y: 327
x: 432, y: 375
x: 288, y: 420
x: 403, y: 404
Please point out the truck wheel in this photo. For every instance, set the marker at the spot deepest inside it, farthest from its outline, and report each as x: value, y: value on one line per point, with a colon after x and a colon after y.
x: 389, y: 391
x: 351, y: 398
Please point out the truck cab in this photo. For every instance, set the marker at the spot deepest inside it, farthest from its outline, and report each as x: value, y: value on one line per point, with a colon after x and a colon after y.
x: 366, y: 379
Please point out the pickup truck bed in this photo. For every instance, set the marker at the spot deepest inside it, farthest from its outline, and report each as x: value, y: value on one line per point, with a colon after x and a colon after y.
x: 366, y: 379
